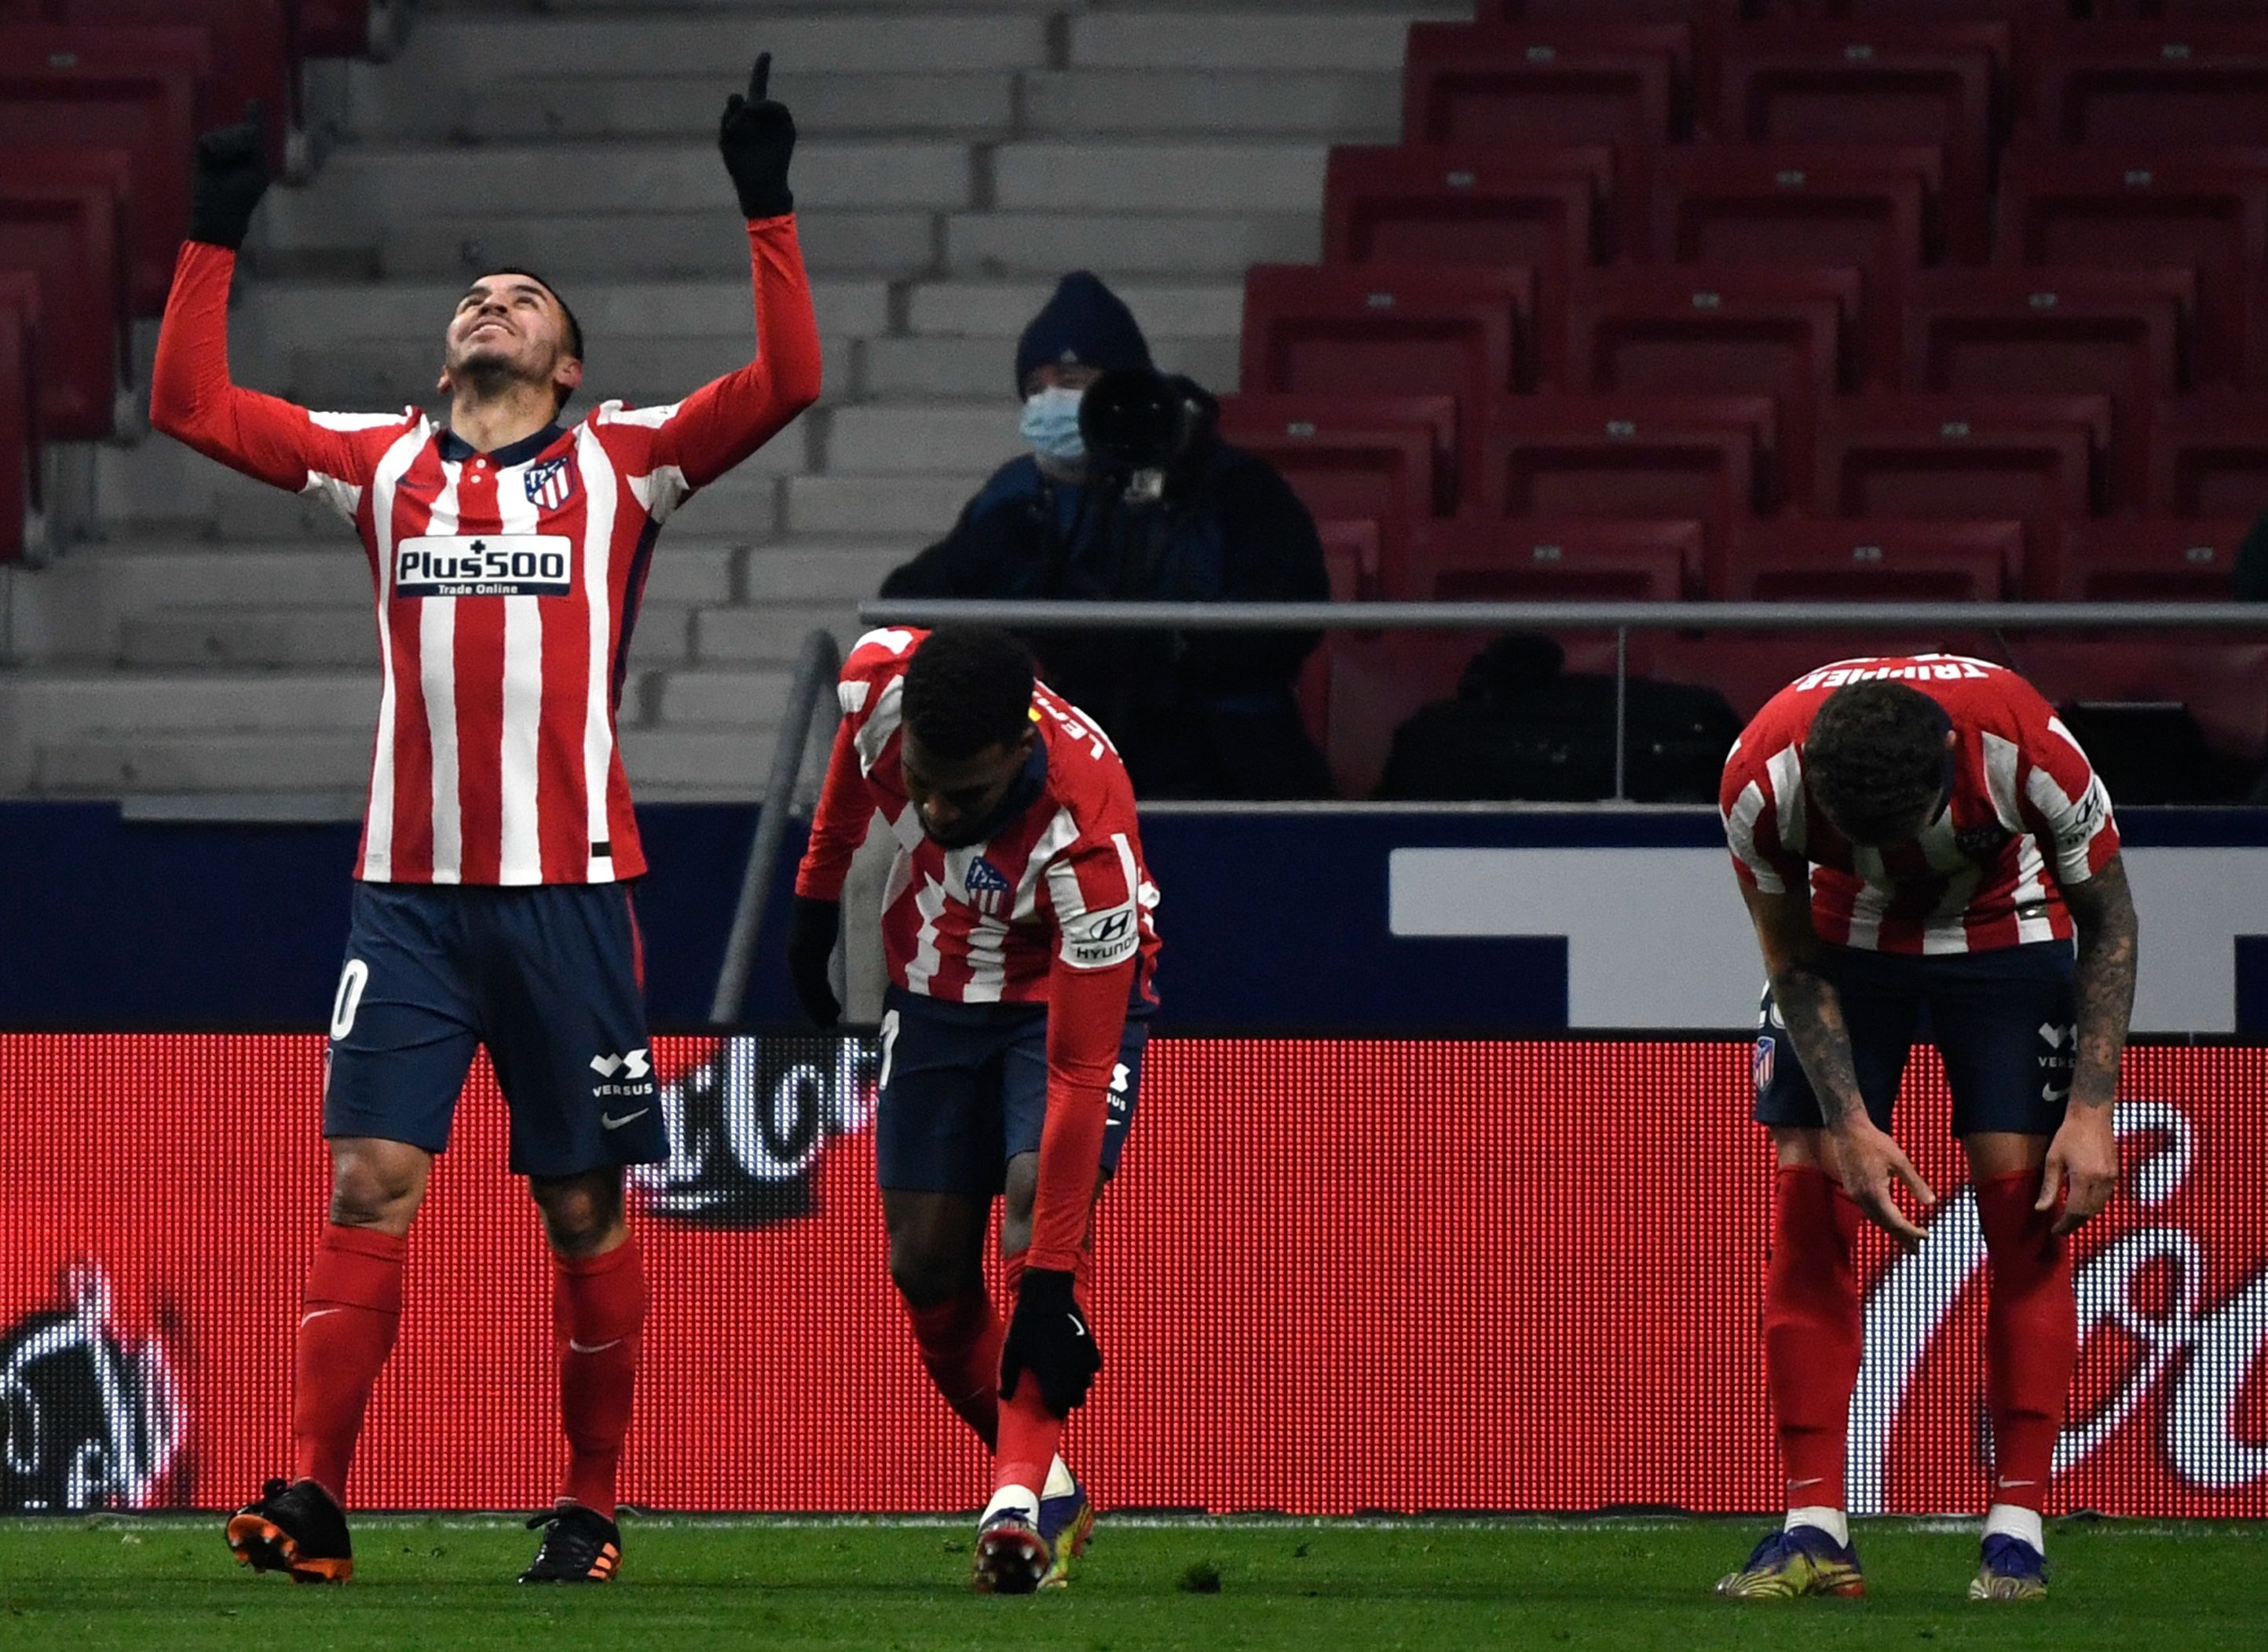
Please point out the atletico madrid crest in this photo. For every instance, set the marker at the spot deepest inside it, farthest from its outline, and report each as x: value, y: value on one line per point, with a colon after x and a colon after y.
x: 989, y: 889
x: 550, y: 484
x: 1761, y: 1066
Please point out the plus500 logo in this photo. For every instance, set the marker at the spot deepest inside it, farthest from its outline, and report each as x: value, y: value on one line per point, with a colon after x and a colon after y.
x: 483, y: 565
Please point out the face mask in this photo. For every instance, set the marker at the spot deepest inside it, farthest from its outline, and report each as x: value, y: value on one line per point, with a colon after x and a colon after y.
x: 1051, y: 425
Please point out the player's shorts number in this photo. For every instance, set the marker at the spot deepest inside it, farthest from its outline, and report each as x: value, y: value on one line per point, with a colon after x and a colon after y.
x: 352, y: 980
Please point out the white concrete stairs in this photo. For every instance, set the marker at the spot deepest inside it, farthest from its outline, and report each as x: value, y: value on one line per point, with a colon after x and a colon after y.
x: 954, y: 158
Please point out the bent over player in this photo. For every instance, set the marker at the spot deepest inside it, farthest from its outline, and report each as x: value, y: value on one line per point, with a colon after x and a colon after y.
x: 509, y: 554
x: 1923, y: 836
x: 1018, y: 932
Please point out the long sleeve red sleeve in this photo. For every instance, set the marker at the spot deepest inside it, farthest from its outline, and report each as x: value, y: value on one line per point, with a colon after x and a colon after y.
x: 1086, y: 1023
x: 192, y: 400
x: 839, y: 824
x: 723, y: 421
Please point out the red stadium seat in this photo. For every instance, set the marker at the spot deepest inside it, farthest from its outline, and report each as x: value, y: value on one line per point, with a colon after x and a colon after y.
x: 1762, y: 203
x: 1467, y: 204
x: 1391, y: 330
x: 67, y: 236
x: 1533, y: 86
x: 1759, y: 330
x: 1385, y: 461
x: 19, y: 409
x: 1700, y: 13
x: 1875, y: 83
x: 1372, y: 684
x: 249, y: 56
x: 131, y: 89
x: 1586, y: 559
x: 1618, y: 458
x: 2223, y: 681
x: 2118, y: 333
x: 2150, y: 559
x: 2153, y: 208
x: 1351, y: 557
x: 2034, y: 459
x: 1875, y: 562
x: 2209, y: 456
x: 2164, y: 84
x: 148, y: 263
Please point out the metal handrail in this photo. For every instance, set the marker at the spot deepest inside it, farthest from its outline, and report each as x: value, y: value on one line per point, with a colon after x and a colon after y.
x: 810, y: 697
x: 1563, y: 616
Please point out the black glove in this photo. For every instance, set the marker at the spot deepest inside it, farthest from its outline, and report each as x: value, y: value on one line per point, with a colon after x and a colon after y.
x: 756, y: 137
x: 232, y: 175
x: 1048, y: 1336
x: 811, y: 935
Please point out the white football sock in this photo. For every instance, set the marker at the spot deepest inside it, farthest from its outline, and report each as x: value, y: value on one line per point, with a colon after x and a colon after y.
x: 1060, y: 1483
x: 2006, y: 1520
x: 1831, y: 1521
x: 1021, y: 1500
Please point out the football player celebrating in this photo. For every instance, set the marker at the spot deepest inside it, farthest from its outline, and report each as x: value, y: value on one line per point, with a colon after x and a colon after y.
x: 1923, y: 834
x: 509, y: 553
x: 1017, y: 925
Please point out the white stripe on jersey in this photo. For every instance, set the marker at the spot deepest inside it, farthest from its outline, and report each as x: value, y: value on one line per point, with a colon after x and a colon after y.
x: 930, y: 904
x: 1873, y: 899
x: 342, y: 495
x: 598, y: 503
x: 521, y: 859
x: 437, y: 674
x: 1062, y: 832
x: 378, y: 848
x: 1741, y: 832
x: 988, y: 935
x: 664, y: 490
x: 1947, y: 930
x: 876, y: 732
x: 2032, y: 921
x: 1784, y: 770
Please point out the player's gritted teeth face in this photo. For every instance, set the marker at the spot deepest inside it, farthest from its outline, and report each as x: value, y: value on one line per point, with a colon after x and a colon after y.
x: 956, y: 801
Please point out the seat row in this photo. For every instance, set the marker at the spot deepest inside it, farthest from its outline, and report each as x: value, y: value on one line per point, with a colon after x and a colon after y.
x: 1875, y: 76
x: 101, y: 102
x: 1386, y: 470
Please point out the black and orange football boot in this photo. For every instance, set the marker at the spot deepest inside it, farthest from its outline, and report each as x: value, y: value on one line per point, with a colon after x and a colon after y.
x: 580, y: 1545
x: 293, y: 1527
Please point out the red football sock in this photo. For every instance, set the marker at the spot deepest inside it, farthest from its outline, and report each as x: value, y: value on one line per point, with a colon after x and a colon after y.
x: 349, y: 1316
x: 1030, y: 1434
x: 599, y: 1310
x: 960, y: 1343
x: 2031, y: 1335
x: 1813, y: 1334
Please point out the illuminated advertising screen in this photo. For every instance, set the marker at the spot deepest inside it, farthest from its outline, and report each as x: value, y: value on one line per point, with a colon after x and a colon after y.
x: 1335, y: 1276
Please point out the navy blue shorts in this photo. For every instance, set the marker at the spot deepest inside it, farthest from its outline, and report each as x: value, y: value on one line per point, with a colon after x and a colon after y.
x: 964, y: 1090
x: 549, y: 978
x: 2003, y: 1021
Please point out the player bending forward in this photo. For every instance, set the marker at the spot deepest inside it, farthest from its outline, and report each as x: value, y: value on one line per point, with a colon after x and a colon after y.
x: 493, y: 908
x: 1017, y: 925
x: 1910, y: 835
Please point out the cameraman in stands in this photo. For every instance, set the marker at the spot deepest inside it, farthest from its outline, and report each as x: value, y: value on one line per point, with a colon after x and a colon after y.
x: 1129, y: 494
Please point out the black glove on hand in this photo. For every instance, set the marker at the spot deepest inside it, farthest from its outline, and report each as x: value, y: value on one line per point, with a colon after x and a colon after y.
x: 756, y: 137
x: 1048, y: 1336
x: 811, y: 935
x: 232, y: 175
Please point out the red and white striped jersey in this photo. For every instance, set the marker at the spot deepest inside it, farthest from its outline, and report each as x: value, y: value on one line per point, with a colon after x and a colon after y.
x: 1062, y: 884
x: 2028, y: 815
x: 507, y: 582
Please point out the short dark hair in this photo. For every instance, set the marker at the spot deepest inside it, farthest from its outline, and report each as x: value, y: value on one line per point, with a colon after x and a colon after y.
x: 1875, y: 758
x: 970, y: 688
x: 574, y: 327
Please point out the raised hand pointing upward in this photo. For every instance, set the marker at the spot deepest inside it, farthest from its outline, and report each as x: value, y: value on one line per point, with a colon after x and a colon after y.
x: 756, y: 137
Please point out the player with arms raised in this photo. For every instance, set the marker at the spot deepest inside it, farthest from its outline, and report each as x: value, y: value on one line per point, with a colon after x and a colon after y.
x: 1923, y: 834
x: 493, y: 907
x: 1018, y: 932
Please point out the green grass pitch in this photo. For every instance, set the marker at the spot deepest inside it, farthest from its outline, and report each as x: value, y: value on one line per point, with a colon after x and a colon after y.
x: 71, y: 1585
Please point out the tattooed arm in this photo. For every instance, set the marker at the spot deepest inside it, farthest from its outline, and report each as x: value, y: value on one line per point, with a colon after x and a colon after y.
x: 1868, y: 1162
x: 2082, y: 1161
